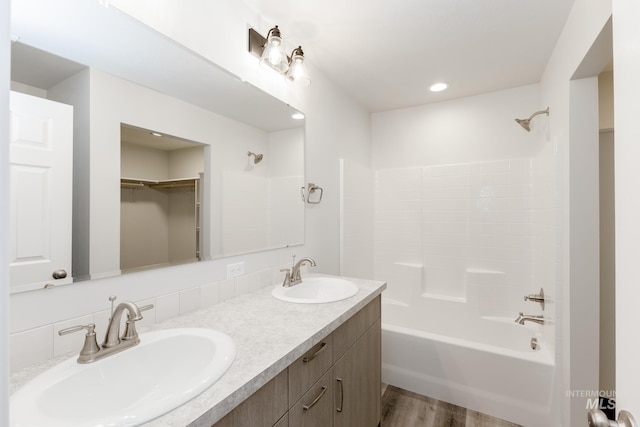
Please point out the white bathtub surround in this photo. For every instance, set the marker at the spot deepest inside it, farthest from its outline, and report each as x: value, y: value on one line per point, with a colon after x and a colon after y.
x: 458, y: 221
x: 41, y: 343
x: 269, y: 335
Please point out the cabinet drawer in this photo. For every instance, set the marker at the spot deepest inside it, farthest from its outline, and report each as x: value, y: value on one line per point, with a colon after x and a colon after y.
x: 305, y: 371
x: 315, y: 408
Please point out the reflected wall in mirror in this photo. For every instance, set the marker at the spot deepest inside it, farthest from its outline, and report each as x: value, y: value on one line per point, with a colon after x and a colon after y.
x: 140, y: 78
x: 160, y: 196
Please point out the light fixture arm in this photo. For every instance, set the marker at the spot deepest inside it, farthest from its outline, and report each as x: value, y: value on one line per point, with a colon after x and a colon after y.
x: 296, y: 51
x: 275, y: 31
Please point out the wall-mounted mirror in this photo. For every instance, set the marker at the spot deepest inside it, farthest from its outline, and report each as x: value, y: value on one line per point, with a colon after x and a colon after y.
x: 123, y: 77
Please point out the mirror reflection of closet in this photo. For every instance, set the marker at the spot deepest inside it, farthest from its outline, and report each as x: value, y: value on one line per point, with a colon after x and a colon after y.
x: 160, y: 210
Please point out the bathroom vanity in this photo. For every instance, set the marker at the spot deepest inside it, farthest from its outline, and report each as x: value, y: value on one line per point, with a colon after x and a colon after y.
x: 289, y: 356
x: 336, y: 383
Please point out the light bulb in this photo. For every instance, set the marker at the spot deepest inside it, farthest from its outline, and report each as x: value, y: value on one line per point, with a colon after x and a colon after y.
x: 297, y: 70
x: 274, y: 54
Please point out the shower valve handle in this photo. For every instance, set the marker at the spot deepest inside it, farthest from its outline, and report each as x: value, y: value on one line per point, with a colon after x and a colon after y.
x: 536, y: 298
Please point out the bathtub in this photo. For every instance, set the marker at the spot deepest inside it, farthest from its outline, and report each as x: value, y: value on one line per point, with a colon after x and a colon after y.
x: 480, y: 363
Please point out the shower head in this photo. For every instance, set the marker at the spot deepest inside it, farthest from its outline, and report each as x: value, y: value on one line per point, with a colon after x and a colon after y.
x: 257, y: 158
x: 525, y: 123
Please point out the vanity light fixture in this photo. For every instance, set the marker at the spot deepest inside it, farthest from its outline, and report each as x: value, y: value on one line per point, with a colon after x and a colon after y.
x: 271, y: 52
x: 438, y: 87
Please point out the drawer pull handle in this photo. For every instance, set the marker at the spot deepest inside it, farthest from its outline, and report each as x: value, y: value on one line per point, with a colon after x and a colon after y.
x: 312, y: 404
x: 339, y: 409
x: 313, y: 356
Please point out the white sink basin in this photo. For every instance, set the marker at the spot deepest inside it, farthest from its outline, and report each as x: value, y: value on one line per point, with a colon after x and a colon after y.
x: 164, y: 371
x: 316, y: 289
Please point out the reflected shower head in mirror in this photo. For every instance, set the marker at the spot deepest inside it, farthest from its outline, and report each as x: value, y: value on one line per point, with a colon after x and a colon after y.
x: 525, y: 123
x: 257, y: 158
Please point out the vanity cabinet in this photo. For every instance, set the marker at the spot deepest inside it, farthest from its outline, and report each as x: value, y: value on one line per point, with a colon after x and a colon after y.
x: 336, y: 383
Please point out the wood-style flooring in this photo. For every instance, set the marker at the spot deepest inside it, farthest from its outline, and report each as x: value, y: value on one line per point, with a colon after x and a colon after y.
x: 402, y: 408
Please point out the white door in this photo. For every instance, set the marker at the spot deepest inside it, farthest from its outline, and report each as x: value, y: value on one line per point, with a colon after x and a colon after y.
x: 626, y: 55
x: 40, y: 162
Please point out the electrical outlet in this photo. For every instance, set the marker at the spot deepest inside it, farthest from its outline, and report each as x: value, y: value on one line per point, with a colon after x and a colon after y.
x: 234, y: 270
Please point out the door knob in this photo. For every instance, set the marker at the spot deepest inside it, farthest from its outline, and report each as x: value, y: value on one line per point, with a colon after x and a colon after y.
x: 597, y: 418
x: 59, y: 274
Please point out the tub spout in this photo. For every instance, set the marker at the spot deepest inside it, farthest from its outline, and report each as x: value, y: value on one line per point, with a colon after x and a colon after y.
x: 522, y: 318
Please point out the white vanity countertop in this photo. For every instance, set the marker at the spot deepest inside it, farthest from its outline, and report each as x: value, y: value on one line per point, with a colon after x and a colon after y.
x: 269, y: 334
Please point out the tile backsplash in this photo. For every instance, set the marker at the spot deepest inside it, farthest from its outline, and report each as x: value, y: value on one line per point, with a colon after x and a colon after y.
x: 42, y: 343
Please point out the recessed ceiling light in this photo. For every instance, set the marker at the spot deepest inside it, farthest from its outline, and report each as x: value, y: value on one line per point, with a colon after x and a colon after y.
x: 438, y: 87
x: 156, y: 134
x: 297, y: 116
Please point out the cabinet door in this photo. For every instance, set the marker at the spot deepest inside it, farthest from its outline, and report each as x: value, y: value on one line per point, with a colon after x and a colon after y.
x: 315, y: 407
x: 358, y: 382
x: 40, y: 174
x: 264, y: 408
x: 351, y: 330
x: 284, y: 421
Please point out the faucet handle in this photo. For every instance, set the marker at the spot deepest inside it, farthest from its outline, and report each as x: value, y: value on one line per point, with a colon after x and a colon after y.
x: 91, y: 329
x: 90, y: 346
x: 287, y: 278
x: 146, y: 307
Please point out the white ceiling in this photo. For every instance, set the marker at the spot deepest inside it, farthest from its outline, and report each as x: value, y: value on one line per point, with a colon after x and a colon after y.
x: 386, y: 53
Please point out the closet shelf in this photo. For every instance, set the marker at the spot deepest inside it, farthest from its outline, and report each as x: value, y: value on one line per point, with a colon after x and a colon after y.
x: 167, y: 183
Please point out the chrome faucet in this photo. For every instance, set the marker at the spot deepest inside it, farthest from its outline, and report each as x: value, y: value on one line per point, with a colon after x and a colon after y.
x: 529, y: 318
x: 293, y: 276
x: 113, y: 342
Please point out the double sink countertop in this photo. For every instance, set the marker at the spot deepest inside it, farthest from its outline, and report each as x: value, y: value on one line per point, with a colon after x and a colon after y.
x: 269, y: 335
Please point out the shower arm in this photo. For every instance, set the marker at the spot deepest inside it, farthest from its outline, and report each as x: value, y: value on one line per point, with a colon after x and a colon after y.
x: 538, y: 113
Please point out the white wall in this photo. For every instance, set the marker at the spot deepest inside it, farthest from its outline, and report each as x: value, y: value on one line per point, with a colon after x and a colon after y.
x: 357, y: 198
x: 626, y: 37
x: 5, y: 56
x: 578, y: 207
x: 323, y: 103
x: 140, y: 162
x: 470, y: 129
